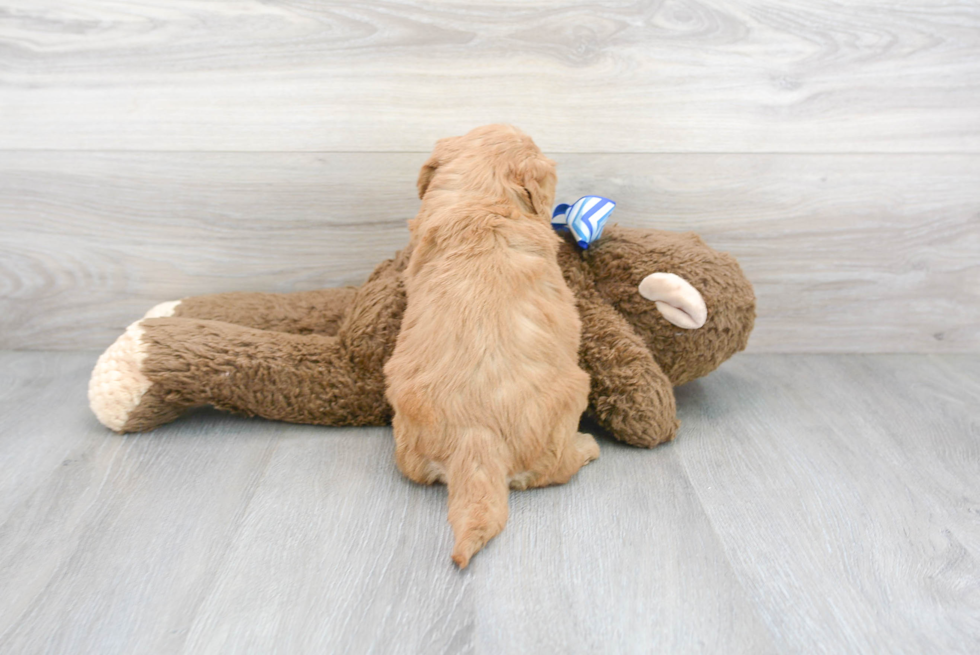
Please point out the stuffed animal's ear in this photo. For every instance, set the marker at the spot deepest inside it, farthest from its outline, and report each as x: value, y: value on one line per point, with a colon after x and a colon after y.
x: 537, y: 177
x: 445, y: 149
x: 678, y: 301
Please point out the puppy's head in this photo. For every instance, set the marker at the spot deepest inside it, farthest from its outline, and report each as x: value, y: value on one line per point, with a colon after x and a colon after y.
x: 496, y: 160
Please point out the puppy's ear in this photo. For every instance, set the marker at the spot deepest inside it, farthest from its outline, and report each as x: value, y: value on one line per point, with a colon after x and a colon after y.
x: 425, y: 175
x: 537, y: 176
x: 445, y: 149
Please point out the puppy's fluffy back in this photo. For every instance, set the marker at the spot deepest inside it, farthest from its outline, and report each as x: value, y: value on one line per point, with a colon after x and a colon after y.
x: 490, y: 320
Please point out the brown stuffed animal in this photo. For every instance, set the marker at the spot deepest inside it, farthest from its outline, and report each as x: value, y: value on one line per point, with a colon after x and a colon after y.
x: 318, y: 356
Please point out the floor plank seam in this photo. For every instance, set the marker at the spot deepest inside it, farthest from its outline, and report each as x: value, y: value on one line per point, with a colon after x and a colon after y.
x: 210, y: 585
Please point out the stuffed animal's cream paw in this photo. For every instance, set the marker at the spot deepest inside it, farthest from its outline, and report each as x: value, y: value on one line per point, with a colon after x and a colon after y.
x: 117, y: 384
x: 163, y: 310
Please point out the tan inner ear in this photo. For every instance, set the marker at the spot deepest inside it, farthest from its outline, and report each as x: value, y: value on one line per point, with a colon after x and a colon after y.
x: 678, y: 301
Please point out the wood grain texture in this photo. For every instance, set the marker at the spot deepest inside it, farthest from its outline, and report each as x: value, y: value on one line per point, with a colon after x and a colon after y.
x: 610, y: 76
x: 352, y: 581
x: 863, y: 468
x: 873, y: 253
x: 69, y: 484
x: 811, y: 503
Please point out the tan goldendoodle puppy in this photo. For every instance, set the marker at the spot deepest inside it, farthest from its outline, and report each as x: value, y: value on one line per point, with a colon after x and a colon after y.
x: 484, y: 379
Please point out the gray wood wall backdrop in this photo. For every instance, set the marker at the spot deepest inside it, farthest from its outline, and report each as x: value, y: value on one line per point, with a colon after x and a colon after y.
x: 152, y: 150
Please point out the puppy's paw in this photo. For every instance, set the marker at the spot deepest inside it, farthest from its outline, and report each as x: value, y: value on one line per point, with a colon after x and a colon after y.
x: 117, y: 384
x: 587, y: 447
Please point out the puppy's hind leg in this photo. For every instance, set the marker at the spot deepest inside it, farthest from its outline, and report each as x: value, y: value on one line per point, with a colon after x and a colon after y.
x: 581, y: 450
x: 578, y: 449
x: 413, y: 465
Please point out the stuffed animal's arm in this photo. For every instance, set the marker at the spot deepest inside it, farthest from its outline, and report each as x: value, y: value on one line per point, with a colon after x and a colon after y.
x: 630, y: 395
x: 302, y: 312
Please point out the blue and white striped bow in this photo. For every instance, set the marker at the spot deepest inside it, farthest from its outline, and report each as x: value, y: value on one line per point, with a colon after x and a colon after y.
x: 585, y: 218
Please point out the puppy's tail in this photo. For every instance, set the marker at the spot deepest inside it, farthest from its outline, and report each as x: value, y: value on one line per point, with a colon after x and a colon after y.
x: 477, y: 478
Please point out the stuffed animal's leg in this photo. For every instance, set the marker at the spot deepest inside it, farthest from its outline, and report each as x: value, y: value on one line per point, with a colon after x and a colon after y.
x: 630, y: 395
x: 302, y: 312
x: 162, y: 366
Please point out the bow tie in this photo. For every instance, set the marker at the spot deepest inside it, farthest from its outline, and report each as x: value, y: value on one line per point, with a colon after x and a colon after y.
x: 584, y: 218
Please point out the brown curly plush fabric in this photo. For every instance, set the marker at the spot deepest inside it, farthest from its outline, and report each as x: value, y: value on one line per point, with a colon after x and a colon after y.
x: 625, y: 256
x: 318, y: 357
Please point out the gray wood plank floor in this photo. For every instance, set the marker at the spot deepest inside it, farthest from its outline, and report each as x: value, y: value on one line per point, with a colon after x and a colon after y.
x: 812, y: 503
